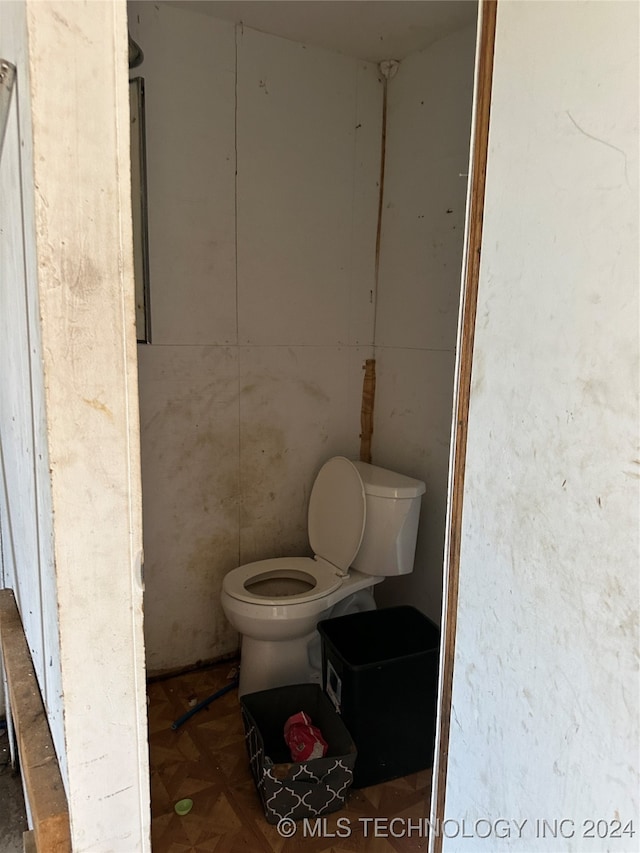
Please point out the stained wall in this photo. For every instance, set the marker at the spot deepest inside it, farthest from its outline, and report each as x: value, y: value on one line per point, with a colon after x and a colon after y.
x: 545, y: 687
x: 263, y: 187
x: 71, y: 492
x: 26, y: 523
x: 261, y: 302
x: 429, y: 118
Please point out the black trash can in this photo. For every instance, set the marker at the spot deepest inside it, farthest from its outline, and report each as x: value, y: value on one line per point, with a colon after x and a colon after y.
x: 380, y: 669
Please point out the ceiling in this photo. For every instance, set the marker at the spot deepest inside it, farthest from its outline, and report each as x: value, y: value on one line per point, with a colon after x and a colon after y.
x: 368, y: 29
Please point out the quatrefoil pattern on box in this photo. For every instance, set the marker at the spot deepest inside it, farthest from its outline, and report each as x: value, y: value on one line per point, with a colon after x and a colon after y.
x: 301, y: 789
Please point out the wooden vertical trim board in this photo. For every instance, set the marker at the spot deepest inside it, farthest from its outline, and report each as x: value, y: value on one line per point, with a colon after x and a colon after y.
x: 38, y: 761
x: 366, y: 414
x: 488, y: 9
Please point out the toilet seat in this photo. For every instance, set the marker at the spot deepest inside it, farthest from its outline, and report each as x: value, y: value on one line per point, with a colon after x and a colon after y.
x: 336, y: 521
x: 324, y: 576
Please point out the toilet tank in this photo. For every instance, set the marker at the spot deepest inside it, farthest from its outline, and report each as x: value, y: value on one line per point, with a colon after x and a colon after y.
x: 391, y: 528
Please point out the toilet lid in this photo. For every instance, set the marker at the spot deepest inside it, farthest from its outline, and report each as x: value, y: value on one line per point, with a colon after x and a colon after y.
x: 337, y: 512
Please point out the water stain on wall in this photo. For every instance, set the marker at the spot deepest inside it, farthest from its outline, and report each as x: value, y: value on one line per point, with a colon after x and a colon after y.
x: 274, y: 474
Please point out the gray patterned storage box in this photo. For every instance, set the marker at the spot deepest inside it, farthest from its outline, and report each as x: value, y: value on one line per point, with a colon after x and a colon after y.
x: 296, y: 789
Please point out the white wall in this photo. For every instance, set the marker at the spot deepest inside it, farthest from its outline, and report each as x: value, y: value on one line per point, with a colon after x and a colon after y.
x: 545, y: 693
x: 71, y: 480
x: 25, y: 488
x: 260, y: 302
x: 429, y: 118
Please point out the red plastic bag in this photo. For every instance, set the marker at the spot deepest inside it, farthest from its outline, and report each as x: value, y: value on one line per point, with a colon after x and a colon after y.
x: 303, y: 738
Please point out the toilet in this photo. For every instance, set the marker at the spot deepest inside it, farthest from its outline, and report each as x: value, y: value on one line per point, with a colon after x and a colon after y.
x: 363, y: 525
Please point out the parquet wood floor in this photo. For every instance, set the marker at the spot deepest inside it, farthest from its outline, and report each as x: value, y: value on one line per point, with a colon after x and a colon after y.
x: 205, y: 759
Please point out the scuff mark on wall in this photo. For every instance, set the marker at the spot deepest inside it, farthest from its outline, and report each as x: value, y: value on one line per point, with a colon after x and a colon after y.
x: 99, y: 407
x: 548, y: 585
x: 603, y: 142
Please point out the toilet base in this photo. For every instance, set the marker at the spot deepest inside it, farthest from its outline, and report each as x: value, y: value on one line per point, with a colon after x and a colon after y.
x: 274, y: 663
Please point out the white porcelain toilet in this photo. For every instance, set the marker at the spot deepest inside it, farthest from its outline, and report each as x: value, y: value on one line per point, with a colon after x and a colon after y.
x: 363, y: 525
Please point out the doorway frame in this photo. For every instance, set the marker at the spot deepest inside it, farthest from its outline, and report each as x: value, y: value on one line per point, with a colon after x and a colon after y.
x: 487, y: 12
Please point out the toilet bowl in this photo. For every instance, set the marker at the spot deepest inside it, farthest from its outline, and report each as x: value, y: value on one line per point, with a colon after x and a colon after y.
x: 362, y: 523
